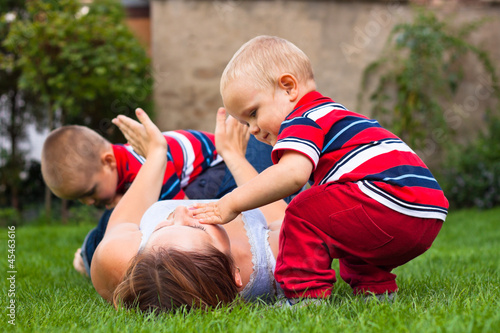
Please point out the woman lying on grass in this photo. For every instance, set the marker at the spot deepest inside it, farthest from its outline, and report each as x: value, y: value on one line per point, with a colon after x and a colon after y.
x: 156, y: 256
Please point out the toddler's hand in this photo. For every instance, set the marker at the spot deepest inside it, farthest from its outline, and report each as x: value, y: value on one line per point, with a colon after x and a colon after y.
x: 144, y: 137
x: 231, y: 137
x: 211, y: 213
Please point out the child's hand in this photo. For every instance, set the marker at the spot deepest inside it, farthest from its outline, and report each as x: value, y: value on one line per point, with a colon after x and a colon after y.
x: 212, y: 213
x: 231, y: 137
x: 144, y: 137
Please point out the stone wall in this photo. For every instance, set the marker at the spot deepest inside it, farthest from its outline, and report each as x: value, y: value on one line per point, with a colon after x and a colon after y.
x: 192, y: 41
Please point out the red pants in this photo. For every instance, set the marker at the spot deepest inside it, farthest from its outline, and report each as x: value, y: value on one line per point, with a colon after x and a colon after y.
x: 339, y: 221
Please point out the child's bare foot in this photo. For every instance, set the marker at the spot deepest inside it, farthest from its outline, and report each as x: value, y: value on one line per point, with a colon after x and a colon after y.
x: 78, y: 263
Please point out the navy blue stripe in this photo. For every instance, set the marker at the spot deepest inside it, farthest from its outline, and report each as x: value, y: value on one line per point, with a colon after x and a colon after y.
x: 347, y: 157
x: 207, y: 148
x: 171, y: 188
x: 308, y: 143
x: 298, y: 121
x: 406, y: 175
x: 345, y: 129
x: 350, y: 155
x: 339, y: 106
x: 403, y: 203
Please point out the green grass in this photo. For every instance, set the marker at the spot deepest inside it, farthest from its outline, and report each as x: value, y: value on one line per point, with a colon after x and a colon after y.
x: 454, y: 287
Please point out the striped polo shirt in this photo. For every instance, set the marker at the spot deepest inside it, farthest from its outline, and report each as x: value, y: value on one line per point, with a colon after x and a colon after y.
x: 345, y: 146
x: 189, y: 154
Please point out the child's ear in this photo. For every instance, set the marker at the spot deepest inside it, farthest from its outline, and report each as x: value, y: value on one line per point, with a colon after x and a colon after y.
x: 108, y: 159
x: 290, y: 85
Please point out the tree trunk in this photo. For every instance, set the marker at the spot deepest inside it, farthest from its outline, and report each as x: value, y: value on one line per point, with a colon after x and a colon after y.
x: 14, y: 160
x: 48, y: 203
x: 64, y: 203
x: 15, y: 198
x: 64, y: 211
x: 48, y: 194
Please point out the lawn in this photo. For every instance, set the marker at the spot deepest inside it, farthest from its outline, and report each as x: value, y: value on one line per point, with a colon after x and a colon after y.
x: 454, y: 287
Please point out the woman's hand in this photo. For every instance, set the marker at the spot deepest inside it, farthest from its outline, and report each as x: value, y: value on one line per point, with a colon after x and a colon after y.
x: 231, y: 137
x: 148, y: 141
x: 144, y: 137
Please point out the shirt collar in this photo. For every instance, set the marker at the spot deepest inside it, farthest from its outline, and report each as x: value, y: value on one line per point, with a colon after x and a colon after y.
x: 306, y: 99
x: 121, y: 166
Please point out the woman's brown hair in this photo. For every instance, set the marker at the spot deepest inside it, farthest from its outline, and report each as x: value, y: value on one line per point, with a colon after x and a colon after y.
x: 168, y: 278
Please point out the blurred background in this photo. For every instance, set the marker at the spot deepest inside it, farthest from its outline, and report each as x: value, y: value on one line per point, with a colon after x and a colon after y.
x: 427, y: 70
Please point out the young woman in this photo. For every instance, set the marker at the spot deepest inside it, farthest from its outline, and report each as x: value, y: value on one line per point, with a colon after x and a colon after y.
x: 155, y: 255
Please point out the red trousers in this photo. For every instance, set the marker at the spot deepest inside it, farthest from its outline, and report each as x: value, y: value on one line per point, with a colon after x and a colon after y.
x: 339, y: 221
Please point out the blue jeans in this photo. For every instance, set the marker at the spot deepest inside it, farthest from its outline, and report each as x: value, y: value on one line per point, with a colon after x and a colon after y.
x: 259, y: 156
x: 93, y: 239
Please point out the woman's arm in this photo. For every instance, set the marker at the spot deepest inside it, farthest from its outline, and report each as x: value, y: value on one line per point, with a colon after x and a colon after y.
x: 276, y: 182
x: 147, y: 140
x: 122, y: 237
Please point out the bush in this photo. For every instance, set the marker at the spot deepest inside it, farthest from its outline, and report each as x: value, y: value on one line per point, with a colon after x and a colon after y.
x: 8, y: 217
x: 419, y: 73
x: 80, y: 214
x: 472, y: 174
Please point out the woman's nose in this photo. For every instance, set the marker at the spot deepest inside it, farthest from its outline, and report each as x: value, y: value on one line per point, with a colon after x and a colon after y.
x: 180, y: 215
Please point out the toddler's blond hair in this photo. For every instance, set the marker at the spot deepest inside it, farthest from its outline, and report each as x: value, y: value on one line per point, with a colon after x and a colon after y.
x: 263, y: 59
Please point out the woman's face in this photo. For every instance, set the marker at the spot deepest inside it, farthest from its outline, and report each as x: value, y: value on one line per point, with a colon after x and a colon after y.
x: 183, y: 231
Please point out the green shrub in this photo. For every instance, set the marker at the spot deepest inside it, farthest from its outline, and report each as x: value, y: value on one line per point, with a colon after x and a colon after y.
x: 419, y: 73
x: 81, y: 214
x: 9, y: 216
x: 77, y: 214
x: 472, y: 174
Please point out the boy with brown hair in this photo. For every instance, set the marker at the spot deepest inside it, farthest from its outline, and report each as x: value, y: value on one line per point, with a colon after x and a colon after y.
x: 373, y: 204
x: 79, y: 164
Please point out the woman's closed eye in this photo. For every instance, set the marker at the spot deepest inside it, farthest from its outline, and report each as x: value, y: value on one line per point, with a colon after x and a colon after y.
x: 190, y: 226
x: 198, y: 227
